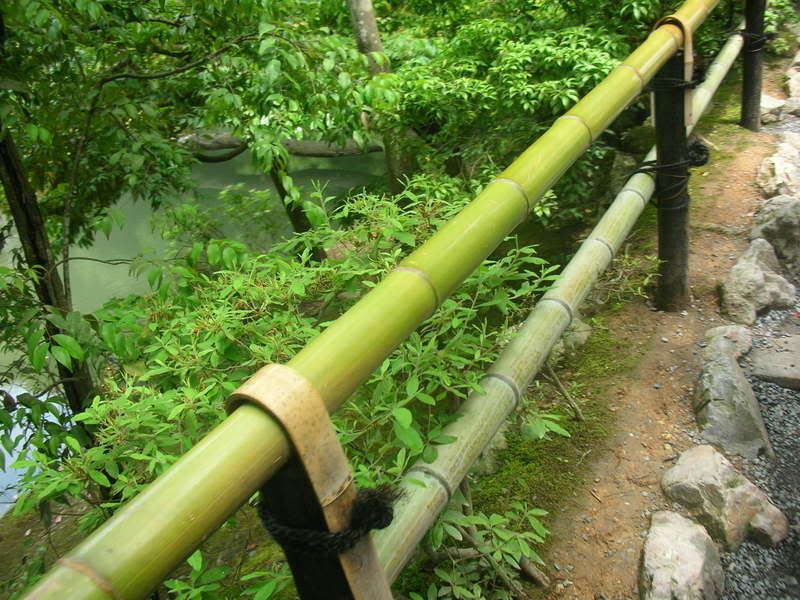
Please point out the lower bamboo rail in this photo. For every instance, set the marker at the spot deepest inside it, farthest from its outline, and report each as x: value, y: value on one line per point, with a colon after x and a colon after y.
x: 144, y: 541
x: 484, y: 412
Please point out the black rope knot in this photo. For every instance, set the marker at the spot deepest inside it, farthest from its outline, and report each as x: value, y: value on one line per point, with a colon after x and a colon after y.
x: 373, y: 509
x: 755, y: 42
x: 697, y: 155
x: 666, y: 84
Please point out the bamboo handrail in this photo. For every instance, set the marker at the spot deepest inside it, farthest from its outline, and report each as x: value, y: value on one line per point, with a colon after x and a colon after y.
x: 484, y: 412
x: 145, y: 540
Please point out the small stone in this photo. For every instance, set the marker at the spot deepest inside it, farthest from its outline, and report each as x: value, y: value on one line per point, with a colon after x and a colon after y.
x: 665, y: 340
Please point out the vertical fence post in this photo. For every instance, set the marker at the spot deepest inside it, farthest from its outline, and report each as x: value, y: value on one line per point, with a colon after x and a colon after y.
x: 671, y: 186
x: 292, y: 502
x: 753, y: 63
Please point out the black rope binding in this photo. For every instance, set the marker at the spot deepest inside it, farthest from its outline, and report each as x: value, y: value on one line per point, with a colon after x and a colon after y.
x: 696, y: 156
x: 666, y: 84
x: 372, y: 509
x: 755, y: 42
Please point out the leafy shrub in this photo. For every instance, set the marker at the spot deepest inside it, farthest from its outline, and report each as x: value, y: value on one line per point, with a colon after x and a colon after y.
x: 218, y: 313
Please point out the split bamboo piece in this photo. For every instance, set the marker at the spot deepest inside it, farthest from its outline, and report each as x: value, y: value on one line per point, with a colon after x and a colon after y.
x: 133, y: 551
x: 484, y: 412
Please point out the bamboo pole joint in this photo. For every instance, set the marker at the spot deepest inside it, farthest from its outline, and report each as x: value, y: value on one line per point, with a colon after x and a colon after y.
x: 512, y: 385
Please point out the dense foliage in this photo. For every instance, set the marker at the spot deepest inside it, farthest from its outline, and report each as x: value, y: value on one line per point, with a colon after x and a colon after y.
x: 99, y: 96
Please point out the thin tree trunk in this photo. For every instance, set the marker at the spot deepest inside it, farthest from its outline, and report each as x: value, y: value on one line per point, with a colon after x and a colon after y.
x: 297, y: 216
x: 368, y: 38
x: 28, y: 220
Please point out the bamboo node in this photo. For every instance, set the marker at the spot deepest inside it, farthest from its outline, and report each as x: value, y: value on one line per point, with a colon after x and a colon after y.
x: 101, y: 582
x: 441, y: 479
x: 519, y: 188
x: 510, y: 383
x: 424, y: 277
x: 583, y: 122
x: 636, y: 72
x: 605, y: 243
x: 562, y: 304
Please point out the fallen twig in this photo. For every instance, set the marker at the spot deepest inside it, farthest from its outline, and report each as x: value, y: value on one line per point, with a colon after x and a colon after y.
x: 551, y: 376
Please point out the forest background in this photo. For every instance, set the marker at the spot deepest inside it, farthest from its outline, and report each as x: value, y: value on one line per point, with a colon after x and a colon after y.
x: 117, y: 100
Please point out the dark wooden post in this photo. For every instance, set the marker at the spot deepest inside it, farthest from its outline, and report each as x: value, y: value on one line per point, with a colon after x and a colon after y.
x: 290, y: 499
x: 671, y: 187
x: 753, y: 64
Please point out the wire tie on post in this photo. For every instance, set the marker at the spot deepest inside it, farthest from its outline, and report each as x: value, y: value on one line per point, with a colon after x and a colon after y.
x: 697, y: 155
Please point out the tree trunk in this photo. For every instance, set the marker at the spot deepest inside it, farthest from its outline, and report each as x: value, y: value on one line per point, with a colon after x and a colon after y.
x: 297, y: 216
x: 38, y: 255
x: 368, y: 38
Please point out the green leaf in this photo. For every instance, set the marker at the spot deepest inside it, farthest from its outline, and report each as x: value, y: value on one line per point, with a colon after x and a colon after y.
x: 154, y: 278
x: 452, y: 532
x: 409, y: 437
x: 403, y: 416
x: 196, y: 560
x: 214, y: 253
x: 105, y: 227
x: 73, y: 444
x: 62, y: 356
x: 556, y: 428
x: 39, y: 356
x: 70, y: 344
x: 412, y: 386
x: 194, y: 255
x: 265, y: 591
x: 99, y: 477
x: 229, y: 257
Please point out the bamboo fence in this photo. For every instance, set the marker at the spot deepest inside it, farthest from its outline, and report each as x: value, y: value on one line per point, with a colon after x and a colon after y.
x: 138, y: 547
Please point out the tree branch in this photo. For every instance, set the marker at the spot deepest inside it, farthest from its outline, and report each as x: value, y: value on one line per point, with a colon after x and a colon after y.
x: 183, y: 69
x: 218, y: 158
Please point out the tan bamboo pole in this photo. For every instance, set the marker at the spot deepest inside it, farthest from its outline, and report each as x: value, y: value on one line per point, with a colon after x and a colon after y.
x: 133, y: 551
x: 484, y: 412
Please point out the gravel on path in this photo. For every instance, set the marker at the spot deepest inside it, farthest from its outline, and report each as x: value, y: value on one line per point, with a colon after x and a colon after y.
x: 756, y: 572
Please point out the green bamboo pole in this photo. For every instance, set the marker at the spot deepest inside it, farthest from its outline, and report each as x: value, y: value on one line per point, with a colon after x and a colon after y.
x: 483, y: 412
x: 133, y: 551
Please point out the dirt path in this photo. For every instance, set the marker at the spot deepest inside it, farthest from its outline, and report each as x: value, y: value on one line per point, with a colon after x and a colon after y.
x: 599, y: 537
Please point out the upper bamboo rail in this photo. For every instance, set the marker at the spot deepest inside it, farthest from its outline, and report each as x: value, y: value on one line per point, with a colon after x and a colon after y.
x: 141, y: 544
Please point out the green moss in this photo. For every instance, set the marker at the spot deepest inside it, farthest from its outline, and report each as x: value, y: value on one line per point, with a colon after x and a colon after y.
x: 544, y: 472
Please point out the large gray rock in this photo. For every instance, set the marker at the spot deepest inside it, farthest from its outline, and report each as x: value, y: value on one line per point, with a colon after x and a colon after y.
x: 679, y: 561
x: 753, y: 284
x: 726, y: 410
x: 793, y: 82
x: 727, y: 341
x: 779, y: 363
x: 778, y: 222
x: 771, y: 108
x: 792, y: 107
x: 730, y: 507
x: 790, y: 137
x: 779, y: 173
